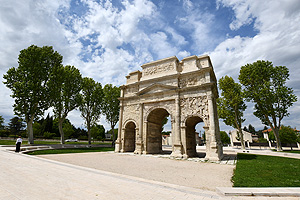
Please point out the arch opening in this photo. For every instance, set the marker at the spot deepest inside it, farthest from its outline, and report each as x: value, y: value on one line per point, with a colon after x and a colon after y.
x: 129, y: 137
x: 193, y: 139
x: 155, y: 123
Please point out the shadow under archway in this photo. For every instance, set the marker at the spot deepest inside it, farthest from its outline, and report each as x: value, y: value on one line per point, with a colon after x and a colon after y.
x: 129, y: 137
x: 154, y: 130
x: 190, y: 136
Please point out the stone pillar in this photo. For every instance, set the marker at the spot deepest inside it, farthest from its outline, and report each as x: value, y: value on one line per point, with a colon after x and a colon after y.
x: 145, y: 129
x: 215, y: 149
x: 118, y: 141
x: 122, y: 140
x: 139, y: 140
x: 177, y: 146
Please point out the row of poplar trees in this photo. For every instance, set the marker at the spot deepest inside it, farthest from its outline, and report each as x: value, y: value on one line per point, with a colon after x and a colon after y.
x: 41, y: 82
x: 262, y: 84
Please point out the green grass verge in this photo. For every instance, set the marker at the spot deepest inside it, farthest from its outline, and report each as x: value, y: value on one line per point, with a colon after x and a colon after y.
x: 71, y: 150
x: 266, y: 171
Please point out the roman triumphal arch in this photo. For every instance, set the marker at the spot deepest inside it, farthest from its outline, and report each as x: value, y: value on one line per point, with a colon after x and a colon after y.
x: 186, y: 91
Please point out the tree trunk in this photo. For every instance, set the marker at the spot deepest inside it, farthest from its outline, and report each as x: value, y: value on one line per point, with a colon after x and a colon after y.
x: 89, y: 131
x: 30, y: 130
x: 61, y: 131
x: 242, y: 138
x: 278, y: 142
x: 113, y: 138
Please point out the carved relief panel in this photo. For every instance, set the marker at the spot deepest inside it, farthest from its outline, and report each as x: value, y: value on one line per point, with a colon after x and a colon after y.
x: 195, y: 106
x: 158, y: 69
x: 191, y: 81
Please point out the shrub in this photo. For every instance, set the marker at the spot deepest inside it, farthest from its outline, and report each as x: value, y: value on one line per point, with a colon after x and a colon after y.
x: 4, y: 133
x: 48, y: 135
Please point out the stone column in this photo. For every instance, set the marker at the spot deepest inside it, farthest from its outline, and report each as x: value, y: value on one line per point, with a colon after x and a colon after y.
x: 139, y: 140
x: 145, y: 129
x: 177, y: 150
x: 215, y: 150
x: 122, y: 140
x: 118, y: 141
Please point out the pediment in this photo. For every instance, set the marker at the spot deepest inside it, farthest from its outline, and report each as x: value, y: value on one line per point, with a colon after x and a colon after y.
x: 156, y: 88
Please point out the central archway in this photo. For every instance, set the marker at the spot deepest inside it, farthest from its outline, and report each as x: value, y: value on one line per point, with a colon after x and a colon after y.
x: 154, y: 130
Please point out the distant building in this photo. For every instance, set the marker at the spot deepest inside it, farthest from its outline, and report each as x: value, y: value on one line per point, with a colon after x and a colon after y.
x: 235, y: 139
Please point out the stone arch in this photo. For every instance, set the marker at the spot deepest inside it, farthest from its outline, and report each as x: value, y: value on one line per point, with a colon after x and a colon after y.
x: 167, y: 108
x: 129, y: 135
x: 189, y: 135
x: 186, y: 90
x: 154, y: 126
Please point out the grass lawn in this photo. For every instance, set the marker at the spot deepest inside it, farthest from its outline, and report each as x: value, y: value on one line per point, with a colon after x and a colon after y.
x: 71, y: 150
x: 266, y: 171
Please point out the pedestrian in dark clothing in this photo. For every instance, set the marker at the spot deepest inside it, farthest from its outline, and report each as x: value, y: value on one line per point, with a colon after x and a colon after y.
x: 18, y: 144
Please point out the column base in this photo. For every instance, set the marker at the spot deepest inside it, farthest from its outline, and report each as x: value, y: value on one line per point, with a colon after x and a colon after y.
x: 138, y: 148
x: 117, y: 147
x: 177, y: 151
x: 214, y: 152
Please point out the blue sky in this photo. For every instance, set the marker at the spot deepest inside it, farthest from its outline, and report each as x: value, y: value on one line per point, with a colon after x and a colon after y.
x: 108, y: 39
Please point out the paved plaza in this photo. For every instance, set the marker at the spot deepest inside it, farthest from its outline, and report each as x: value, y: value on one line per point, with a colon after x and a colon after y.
x: 30, y: 177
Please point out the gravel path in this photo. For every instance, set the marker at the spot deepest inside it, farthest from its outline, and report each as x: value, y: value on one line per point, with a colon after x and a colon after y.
x: 206, y: 176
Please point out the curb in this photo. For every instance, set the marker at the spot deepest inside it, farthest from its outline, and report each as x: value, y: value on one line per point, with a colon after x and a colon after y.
x: 266, y: 191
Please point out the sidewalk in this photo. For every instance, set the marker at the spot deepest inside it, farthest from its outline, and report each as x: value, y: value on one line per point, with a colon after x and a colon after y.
x: 29, y: 177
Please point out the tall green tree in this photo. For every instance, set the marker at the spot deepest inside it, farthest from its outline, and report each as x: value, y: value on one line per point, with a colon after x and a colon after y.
x: 111, y: 106
x: 231, y: 105
x: 264, y: 85
x: 66, y: 84
x: 98, y: 132
x: 29, y: 83
x: 15, y: 125
x: 225, y: 139
x: 288, y: 135
x: 1, y: 123
x: 91, y: 100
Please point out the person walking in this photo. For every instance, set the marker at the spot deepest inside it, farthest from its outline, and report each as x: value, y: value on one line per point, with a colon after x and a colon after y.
x: 18, y: 144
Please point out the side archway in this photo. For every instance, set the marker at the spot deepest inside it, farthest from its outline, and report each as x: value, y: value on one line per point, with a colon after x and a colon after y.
x: 129, y: 136
x: 189, y: 133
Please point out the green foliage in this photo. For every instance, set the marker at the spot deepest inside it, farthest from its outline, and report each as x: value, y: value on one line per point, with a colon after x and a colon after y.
x: 264, y: 85
x: 111, y: 104
x: 287, y: 135
x: 37, y: 129
x: 225, y: 139
x: 231, y: 104
x: 15, y: 125
x: 98, y: 132
x: 91, y: 101
x: 29, y: 82
x: 68, y: 129
x: 1, y: 123
x: 266, y: 171
x: 251, y: 129
x: 4, y: 133
x: 49, y: 135
x: 71, y: 150
x: 262, y: 140
x: 66, y: 84
x: 272, y: 136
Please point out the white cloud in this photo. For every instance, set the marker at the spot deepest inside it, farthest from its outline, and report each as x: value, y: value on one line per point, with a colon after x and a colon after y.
x: 277, y: 41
